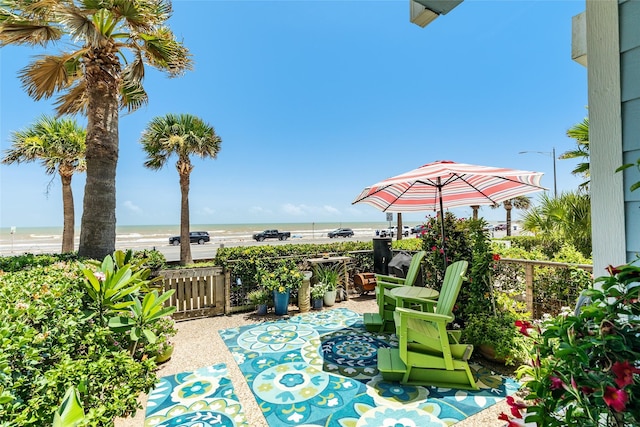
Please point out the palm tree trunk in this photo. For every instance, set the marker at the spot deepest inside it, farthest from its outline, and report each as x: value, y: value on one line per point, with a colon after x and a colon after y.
x: 508, y: 207
x: 400, y: 230
x: 68, y: 214
x: 185, y: 241
x: 475, y: 211
x: 98, y: 229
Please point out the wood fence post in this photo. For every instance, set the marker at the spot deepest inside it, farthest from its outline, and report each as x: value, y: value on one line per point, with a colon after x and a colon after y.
x: 528, y: 278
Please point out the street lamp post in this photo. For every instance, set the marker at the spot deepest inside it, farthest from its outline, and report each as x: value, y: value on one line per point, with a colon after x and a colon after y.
x: 551, y: 153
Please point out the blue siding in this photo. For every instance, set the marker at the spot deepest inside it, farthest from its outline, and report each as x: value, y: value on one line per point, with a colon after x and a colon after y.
x: 630, y: 73
x: 631, y: 127
x: 629, y: 21
x: 629, y: 25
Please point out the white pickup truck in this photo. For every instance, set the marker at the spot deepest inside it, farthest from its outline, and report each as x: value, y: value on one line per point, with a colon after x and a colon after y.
x: 393, y: 230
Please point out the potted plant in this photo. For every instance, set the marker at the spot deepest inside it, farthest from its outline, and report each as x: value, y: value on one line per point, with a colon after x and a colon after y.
x: 280, y: 280
x: 317, y: 295
x: 495, y: 336
x: 260, y: 298
x: 328, y: 275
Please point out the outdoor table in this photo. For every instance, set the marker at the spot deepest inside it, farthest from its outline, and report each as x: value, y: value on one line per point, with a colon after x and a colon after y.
x: 343, y: 259
x: 415, y: 293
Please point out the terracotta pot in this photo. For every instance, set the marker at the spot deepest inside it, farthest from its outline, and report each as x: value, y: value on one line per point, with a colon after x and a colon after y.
x: 489, y: 353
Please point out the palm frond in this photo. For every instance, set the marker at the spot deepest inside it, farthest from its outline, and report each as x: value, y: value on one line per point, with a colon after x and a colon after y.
x: 80, y: 26
x: 132, y: 93
x: 164, y: 52
x: 74, y: 100
x: 45, y: 75
x: 26, y: 33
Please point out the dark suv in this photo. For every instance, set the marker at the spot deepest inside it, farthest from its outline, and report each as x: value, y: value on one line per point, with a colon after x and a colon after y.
x: 199, y: 237
x: 340, y: 232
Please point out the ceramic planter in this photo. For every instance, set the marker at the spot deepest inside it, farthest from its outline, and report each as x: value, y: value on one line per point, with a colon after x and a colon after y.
x: 330, y: 298
x: 261, y: 309
x: 165, y: 355
x: 281, y: 302
x: 317, y: 303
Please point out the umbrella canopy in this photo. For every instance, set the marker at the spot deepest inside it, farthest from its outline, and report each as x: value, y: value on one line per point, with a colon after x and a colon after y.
x: 446, y: 184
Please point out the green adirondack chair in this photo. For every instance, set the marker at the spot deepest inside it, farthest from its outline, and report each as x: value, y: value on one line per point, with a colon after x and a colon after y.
x: 428, y: 353
x: 382, y: 321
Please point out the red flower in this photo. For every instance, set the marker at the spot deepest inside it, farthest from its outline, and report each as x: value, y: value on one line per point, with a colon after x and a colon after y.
x: 624, y: 373
x: 516, y: 407
x: 524, y: 327
x: 613, y: 270
x: 496, y: 257
x: 511, y: 423
x: 616, y: 399
x: 556, y: 383
x: 433, y: 248
x: 587, y: 390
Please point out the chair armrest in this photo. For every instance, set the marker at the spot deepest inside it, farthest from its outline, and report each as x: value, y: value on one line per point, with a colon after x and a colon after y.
x: 390, y: 279
x: 423, y: 315
x: 427, y: 304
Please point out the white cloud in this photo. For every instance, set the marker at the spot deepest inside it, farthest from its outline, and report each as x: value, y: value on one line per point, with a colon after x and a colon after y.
x: 331, y: 210
x: 207, y: 211
x: 259, y: 210
x: 132, y: 207
x: 295, y: 210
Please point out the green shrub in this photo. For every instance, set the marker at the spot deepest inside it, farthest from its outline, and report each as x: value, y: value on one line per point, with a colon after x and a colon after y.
x: 50, y: 341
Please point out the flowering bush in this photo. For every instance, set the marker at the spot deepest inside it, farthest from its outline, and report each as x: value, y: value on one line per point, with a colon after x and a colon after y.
x: 584, y: 368
x: 283, y: 277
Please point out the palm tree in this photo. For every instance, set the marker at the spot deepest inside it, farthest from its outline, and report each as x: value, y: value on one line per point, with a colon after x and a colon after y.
x: 183, y: 135
x: 520, y: 202
x: 91, y: 79
x: 59, y: 145
x: 567, y: 217
x: 580, y: 132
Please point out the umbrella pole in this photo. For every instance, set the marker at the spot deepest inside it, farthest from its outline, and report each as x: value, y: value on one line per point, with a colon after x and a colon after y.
x: 444, y: 244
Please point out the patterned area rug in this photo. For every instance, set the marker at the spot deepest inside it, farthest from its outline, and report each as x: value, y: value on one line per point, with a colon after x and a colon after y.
x: 202, y: 398
x: 320, y: 369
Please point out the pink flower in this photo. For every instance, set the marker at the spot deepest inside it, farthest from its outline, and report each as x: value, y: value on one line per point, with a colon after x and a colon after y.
x: 556, y: 383
x: 433, y: 248
x: 100, y: 276
x: 524, y: 327
x: 615, y: 399
x: 624, y: 373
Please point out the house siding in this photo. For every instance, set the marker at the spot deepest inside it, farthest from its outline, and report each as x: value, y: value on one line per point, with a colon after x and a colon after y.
x: 629, y: 30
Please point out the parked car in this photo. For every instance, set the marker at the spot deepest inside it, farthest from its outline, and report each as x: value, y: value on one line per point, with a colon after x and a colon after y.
x: 340, y: 232
x: 199, y: 237
x: 418, y: 229
x: 500, y: 227
x: 391, y: 231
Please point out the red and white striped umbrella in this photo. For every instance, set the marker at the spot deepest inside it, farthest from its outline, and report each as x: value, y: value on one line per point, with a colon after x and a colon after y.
x: 446, y: 184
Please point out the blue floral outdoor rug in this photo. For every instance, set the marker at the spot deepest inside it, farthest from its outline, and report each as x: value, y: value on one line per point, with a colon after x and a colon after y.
x: 320, y: 369
x: 202, y: 398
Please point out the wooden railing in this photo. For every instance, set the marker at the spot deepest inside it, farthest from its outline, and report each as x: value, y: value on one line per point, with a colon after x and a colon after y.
x: 537, y: 303
x: 208, y: 291
x: 199, y: 292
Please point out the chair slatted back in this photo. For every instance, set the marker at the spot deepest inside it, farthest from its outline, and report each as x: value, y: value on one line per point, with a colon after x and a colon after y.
x: 453, y: 278
x: 414, y: 268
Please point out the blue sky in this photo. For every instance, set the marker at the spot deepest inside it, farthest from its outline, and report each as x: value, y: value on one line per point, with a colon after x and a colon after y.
x: 315, y: 100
